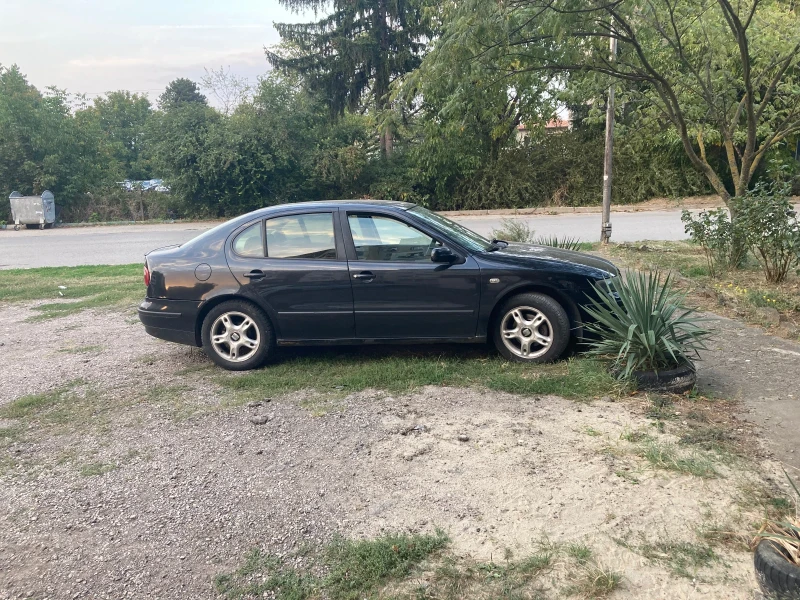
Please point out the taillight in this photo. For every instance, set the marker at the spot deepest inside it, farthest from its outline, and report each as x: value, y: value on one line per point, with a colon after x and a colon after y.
x: 146, y: 276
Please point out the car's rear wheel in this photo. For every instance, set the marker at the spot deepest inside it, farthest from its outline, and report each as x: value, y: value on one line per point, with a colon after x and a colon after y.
x: 531, y: 328
x: 237, y: 335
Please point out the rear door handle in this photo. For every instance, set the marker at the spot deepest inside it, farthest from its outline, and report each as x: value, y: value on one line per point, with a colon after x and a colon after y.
x: 254, y: 274
x: 365, y: 276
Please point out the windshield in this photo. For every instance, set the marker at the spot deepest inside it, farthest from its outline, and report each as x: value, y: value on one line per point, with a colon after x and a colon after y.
x: 466, y: 238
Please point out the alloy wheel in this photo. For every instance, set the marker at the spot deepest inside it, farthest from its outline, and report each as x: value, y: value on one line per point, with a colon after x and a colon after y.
x: 235, y: 336
x: 526, y: 332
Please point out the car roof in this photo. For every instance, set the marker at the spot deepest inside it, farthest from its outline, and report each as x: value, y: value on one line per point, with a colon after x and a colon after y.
x: 347, y: 203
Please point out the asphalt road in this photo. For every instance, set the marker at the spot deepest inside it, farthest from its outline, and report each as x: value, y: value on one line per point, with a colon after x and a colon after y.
x: 125, y: 244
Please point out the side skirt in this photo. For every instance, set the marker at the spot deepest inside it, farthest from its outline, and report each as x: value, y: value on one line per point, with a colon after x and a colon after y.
x: 392, y: 341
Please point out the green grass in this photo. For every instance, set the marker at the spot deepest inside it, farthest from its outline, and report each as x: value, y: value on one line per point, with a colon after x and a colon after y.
x: 82, y: 349
x: 712, y: 438
x: 581, y: 553
x: 96, y: 468
x: 68, y: 408
x: 665, y: 456
x: 174, y: 400
x: 264, y: 573
x: 26, y: 407
x: 355, y: 569
x: 85, y: 288
x: 684, y: 257
x: 347, y: 370
x: 683, y: 559
x: 393, y: 565
x: 744, y: 289
x: 595, y: 581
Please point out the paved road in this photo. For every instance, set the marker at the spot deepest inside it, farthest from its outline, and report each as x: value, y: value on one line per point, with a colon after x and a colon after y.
x: 126, y: 244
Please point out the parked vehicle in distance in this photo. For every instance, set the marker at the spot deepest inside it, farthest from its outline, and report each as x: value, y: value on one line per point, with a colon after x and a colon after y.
x: 356, y: 272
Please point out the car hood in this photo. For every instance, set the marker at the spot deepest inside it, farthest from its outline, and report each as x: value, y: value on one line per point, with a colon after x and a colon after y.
x: 530, y: 254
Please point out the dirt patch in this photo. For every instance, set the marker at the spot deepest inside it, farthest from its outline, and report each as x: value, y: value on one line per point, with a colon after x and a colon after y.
x: 162, y: 482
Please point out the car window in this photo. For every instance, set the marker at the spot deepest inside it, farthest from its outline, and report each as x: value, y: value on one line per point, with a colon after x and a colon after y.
x: 381, y: 238
x: 249, y: 242
x: 301, y: 236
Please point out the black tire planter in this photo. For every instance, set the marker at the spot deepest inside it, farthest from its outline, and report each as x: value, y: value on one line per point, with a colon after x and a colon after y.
x: 778, y: 578
x: 673, y: 381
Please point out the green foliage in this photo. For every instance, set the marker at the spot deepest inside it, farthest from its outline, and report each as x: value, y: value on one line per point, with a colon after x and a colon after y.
x: 513, y: 230
x: 721, y: 239
x: 641, y: 323
x: 565, y: 169
x: 179, y: 93
x: 566, y: 242
x: 263, y: 574
x: 352, y: 54
x: 350, y: 370
x: 718, y: 78
x: 771, y: 229
x: 121, y: 117
x: 81, y: 288
x: 357, y: 568
x: 421, y: 101
x: 41, y: 145
x: 683, y: 559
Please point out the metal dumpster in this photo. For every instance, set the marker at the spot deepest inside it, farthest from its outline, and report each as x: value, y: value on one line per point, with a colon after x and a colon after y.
x: 33, y: 211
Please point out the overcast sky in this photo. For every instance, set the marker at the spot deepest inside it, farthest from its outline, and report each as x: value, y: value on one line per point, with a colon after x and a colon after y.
x: 95, y: 46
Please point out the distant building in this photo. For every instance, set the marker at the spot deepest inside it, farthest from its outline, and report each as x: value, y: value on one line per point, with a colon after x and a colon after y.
x: 556, y: 125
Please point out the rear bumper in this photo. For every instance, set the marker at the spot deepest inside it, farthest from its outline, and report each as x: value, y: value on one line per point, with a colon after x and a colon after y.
x: 170, y: 320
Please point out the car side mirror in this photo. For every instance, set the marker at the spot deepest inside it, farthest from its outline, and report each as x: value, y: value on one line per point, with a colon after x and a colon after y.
x: 443, y: 255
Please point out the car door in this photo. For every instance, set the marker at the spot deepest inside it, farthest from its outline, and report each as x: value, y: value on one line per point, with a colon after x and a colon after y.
x: 297, y: 264
x: 398, y: 292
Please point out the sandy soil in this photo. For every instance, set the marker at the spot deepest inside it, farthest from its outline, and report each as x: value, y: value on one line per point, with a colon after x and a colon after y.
x: 187, y: 496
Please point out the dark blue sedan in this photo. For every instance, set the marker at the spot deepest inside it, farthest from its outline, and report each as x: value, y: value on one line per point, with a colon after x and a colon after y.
x: 363, y: 272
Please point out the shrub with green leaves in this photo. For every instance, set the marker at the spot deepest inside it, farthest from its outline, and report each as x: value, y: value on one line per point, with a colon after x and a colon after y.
x: 641, y: 322
x: 513, y: 230
x: 721, y: 240
x: 769, y: 223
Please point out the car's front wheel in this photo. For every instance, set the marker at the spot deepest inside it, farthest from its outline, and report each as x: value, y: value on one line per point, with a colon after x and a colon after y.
x: 532, y: 328
x: 237, y: 335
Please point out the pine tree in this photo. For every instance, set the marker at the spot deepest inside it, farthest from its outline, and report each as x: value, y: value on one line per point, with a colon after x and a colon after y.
x: 352, y: 55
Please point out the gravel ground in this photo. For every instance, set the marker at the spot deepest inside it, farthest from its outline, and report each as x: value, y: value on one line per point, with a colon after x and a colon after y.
x: 159, y: 486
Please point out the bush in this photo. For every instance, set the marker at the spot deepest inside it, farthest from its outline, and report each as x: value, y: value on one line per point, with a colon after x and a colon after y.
x: 566, y: 169
x: 641, y: 322
x: 513, y: 230
x: 722, y: 242
x: 770, y: 228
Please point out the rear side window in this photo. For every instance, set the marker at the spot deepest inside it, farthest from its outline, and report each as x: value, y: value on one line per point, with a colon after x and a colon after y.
x: 249, y: 243
x: 301, y: 236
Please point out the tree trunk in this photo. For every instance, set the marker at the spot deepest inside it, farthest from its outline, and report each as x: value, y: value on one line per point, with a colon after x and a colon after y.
x: 382, y: 74
x: 388, y: 145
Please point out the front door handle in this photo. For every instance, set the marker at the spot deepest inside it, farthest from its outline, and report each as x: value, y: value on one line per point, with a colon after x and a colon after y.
x: 365, y: 276
x: 254, y: 274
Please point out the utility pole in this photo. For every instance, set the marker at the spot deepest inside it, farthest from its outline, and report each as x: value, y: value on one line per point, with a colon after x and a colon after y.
x: 605, y: 229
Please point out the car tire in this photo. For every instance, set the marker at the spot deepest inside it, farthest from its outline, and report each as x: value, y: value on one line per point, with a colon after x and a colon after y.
x: 531, y: 328
x: 237, y: 335
x: 777, y: 576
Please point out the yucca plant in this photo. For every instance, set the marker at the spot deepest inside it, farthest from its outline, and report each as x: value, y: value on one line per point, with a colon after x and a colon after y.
x: 566, y: 242
x: 641, y: 321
